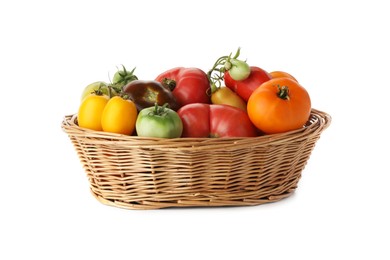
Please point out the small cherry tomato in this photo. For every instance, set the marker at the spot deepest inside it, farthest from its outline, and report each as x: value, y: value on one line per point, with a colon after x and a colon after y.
x: 238, y: 69
x: 119, y: 116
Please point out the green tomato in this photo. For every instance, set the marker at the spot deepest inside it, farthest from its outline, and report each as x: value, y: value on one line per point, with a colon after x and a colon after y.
x: 93, y: 87
x: 238, y: 69
x: 158, y: 121
x: 122, y: 77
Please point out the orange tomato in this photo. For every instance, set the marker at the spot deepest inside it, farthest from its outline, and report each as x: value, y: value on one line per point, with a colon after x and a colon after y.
x: 279, y: 105
x: 90, y: 111
x: 281, y: 74
x: 119, y: 116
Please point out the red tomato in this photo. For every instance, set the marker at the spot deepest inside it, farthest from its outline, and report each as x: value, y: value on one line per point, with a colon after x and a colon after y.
x: 205, y: 120
x: 244, y: 88
x: 188, y: 85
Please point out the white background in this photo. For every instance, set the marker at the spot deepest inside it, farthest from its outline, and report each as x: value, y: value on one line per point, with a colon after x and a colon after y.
x: 50, y: 50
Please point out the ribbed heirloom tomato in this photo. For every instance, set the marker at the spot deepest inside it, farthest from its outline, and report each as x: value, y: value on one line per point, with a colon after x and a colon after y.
x: 188, y: 85
x: 279, y: 105
x: 204, y: 120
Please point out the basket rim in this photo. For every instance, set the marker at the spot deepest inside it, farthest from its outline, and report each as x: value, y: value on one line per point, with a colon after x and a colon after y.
x: 134, y: 172
x: 317, y: 123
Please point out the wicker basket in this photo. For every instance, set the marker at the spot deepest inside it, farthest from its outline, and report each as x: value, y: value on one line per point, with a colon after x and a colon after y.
x: 148, y: 173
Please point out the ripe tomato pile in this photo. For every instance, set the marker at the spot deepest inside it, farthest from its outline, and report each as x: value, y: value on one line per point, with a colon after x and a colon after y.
x: 233, y: 99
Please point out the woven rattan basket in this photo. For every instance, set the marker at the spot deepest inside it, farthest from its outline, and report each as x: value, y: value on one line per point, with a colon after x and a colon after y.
x: 148, y: 173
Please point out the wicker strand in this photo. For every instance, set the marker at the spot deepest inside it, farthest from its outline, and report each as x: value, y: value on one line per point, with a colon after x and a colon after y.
x: 147, y: 173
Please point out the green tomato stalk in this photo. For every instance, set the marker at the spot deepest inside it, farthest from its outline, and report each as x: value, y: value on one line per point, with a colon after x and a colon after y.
x: 159, y: 110
x: 238, y: 69
x: 122, y: 78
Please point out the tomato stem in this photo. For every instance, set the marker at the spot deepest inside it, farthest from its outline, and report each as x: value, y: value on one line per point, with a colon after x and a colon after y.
x: 160, y: 110
x: 216, y: 73
x: 213, y: 88
x: 169, y: 83
x: 237, y: 53
x: 109, y: 91
x: 283, y: 92
x: 125, y: 77
x: 99, y: 91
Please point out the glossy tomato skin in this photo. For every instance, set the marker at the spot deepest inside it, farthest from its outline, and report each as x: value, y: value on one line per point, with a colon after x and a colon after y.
x: 119, y: 116
x: 188, y: 85
x: 245, y: 88
x: 205, y: 120
x: 90, y: 111
x: 226, y: 96
x: 239, y: 70
x: 165, y: 123
x: 196, y: 120
x: 272, y: 114
x: 282, y: 74
x: 146, y: 93
x: 91, y: 88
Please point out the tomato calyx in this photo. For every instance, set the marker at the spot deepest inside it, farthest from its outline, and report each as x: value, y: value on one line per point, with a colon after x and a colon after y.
x: 99, y: 91
x: 238, y: 69
x: 283, y: 92
x: 159, y: 110
x: 122, y: 77
x: 169, y: 83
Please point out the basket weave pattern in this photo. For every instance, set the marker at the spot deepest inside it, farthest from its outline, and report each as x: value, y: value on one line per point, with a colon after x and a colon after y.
x: 147, y: 173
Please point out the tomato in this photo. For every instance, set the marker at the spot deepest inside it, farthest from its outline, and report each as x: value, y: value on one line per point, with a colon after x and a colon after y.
x: 237, y: 75
x: 244, y: 88
x: 188, y: 85
x: 93, y: 87
x: 205, y: 120
x: 225, y: 96
x: 146, y: 93
x: 281, y: 74
x: 90, y: 111
x: 279, y: 105
x: 160, y: 122
x: 123, y: 77
x: 238, y: 69
x: 119, y: 116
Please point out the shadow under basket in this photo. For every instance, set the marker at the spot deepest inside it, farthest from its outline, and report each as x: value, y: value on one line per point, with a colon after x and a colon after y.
x: 148, y: 173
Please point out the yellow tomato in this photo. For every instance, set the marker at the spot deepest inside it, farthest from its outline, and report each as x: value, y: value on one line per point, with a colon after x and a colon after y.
x: 226, y: 96
x: 119, y: 116
x: 90, y: 111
